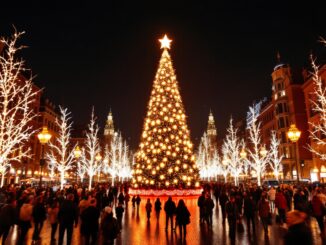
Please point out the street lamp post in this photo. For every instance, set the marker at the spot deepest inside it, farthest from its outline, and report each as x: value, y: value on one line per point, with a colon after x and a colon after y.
x: 77, y: 153
x: 294, y: 135
x: 44, y: 136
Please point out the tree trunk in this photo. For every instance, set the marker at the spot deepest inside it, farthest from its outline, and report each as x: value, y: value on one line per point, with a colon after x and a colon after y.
x: 62, y: 179
x: 258, y: 179
x: 2, y: 179
x: 90, y: 182
x: 112, y: 181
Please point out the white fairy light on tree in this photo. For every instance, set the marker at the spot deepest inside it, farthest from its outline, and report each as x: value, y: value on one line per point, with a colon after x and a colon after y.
x: 91, y: 150
x: 51, y: 168
x: 61, y: 151
x: 258, y: 155
x: 231, y: 152
x: 318, y: 102
x: 81, y: 171
x: 16, y: 97
x: 275, y: 157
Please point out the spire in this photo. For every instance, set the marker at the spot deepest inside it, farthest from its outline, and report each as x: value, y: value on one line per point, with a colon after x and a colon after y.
x: 211, y: 129
x: 109, y: 125
x: 278, y: 57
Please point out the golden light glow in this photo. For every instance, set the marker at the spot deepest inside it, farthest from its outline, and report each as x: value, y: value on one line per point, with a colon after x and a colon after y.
x: 294, y: 133
x: 165, y: 42
x: 77, y: 152
x: 44, y: 136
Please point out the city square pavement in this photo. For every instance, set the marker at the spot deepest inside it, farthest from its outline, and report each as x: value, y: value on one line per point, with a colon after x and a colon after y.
x: 137, y: 231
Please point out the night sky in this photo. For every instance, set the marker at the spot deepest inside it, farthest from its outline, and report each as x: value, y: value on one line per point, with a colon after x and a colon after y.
x: 105, y: 54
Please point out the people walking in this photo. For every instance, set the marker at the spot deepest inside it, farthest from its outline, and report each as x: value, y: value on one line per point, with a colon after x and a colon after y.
x: 182, y: 218
x: 138, y: 200
x: 119, y: 213
x: 249, y: 210
x: 318, y: 211
x: 280, y: 205
x: 169, y: 208
x: 25, y: 218
x: 89, y: 222
x: 298, y: 231
x: 200, y: 203
x: 148, y: 208
x: 223, y: 200
x: 208, y: 209
x: 158, y: 207
x: 68, y: 215
x: 271, y: 197
x: 232, y: 216
x: 109, y: 227
x: 7, y: 217
x: 39, y: 215
x: 264, y: 212
x: 53, y: 211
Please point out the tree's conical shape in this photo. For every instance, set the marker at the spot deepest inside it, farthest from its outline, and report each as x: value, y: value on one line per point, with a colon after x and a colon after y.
x: 165, y: 157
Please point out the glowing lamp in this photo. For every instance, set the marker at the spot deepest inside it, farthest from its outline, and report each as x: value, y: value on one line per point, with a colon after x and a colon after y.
x: 44, y: 136
x: 294, y: 133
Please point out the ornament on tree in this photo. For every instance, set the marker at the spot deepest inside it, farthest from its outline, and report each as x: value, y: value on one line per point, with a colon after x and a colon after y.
x: 165, y: 158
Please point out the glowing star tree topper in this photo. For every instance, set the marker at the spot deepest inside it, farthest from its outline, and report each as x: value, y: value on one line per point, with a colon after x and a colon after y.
x: 165, y: 157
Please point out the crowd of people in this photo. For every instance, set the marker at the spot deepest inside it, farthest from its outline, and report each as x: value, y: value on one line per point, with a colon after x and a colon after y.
x: 93, y: 211
x: 292, y: 207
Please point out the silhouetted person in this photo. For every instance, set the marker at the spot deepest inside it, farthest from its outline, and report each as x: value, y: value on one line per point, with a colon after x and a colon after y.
x: 148, y: 209
x: 209, y: 206
x: 249, y: 209
x: 109, y: 227
x: 39, y: 215
x: 119, y: 213
x: 182, y: 218
x: 232, y: 215
x: 223, y: 200
x: 25, y: 218
x: 200, y: 203
x: 7, y: 218
x: 133, y: 201
x: 68, y: 215
x: 53, y: 218
x: 298, y: 232
x: 158, y: 207
x: 89, y: 226
x: 138, y: 200
x: 169, y: 208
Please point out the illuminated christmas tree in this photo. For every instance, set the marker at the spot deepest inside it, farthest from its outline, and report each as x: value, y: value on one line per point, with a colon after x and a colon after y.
x: 165, y: 158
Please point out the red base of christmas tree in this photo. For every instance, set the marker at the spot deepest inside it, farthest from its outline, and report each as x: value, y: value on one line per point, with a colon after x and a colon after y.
x: 166, y: 192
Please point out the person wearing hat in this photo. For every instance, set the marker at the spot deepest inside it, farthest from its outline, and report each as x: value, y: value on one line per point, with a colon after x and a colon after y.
x: 109, y: 227
x: 298, y: 232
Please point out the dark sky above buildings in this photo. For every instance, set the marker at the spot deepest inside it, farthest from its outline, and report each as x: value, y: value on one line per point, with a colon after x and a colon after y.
x: 105, y: 53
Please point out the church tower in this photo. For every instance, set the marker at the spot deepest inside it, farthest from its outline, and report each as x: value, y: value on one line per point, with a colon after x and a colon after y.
x: 211, y: 130
x: 109, y: 129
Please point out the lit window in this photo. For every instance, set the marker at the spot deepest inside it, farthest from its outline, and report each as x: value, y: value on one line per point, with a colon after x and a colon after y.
x: 275, y: 96
x: 282, y: 93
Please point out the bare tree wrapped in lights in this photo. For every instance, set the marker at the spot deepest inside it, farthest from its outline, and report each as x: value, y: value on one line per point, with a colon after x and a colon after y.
x: 61, y: 151
x: 81, y: 171
x: 319, y: 107
x: 16, y: 97
x: 51, y: 168
x: 207, y: 160
x: 275, y: 157
x: 231, y: 153
x: 91, y: 150
x: 117, y: 159
x: 258, y: 155
x: 165, y: 157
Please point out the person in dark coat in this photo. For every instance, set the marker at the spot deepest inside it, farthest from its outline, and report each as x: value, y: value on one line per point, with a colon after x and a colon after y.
x: 223, y: 200
x: 133, y: 201
x: 208, y: 207
x: 200, y: 203
x: 169, y: 208
x: 148, y: 208
x: 39, y: 215
x: 158, y: 207
x: 121, y: 198
x: 138, y: 200
x: 119, y: 212
x: 298, y: 232
x: 109, y: 227
x: 7, y: 218
x: 182, y: 218
x: 232, y: 215
x: 264, y: 211
x: 89, y: 226
x: 249, y: 209
x: 68, y: 215
x: 318, y: 211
